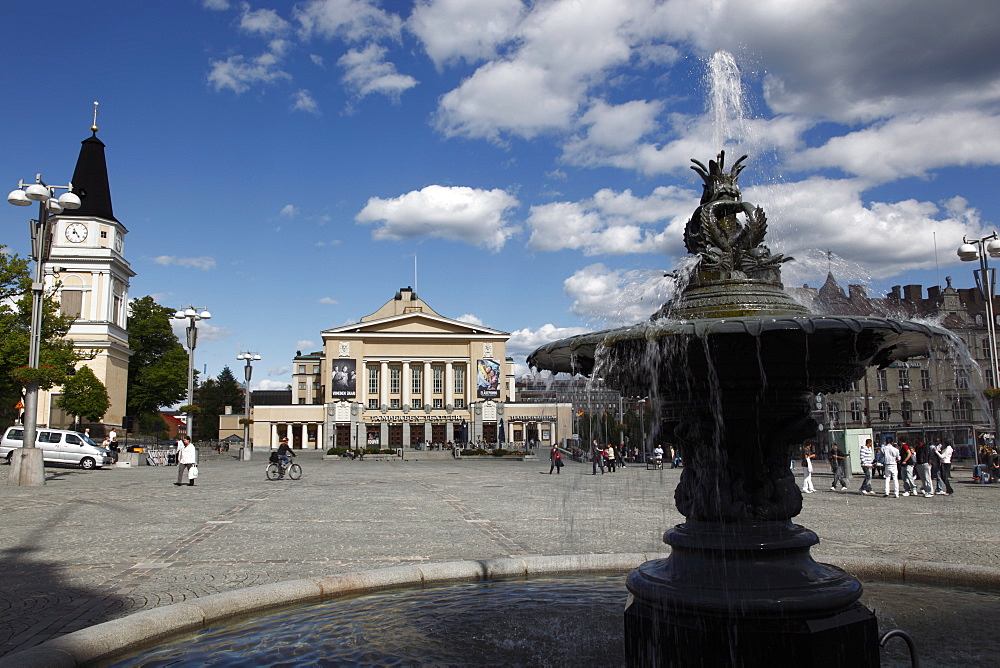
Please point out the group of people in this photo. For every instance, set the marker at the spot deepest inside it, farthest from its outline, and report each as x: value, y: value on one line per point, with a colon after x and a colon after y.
x: 911, y: 467
x: 609, y: 456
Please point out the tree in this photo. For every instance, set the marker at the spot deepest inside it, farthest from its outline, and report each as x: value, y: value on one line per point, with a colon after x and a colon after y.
x: 84, y: 396
x: 157, y: 370
x: 213, y: 397
x: 57, y: 355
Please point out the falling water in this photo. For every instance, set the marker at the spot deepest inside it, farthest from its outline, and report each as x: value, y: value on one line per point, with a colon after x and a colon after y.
x: 726, y: 102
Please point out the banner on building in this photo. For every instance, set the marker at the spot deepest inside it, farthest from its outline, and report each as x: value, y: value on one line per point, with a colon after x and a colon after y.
x: 344, y: 382
x: 488, y: 379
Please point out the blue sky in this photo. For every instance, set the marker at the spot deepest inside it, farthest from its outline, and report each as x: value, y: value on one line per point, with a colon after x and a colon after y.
x: 282, y: 162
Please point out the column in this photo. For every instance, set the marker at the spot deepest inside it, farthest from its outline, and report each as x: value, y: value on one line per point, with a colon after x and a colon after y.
x: 406, y: 433
x: 319, y: 438
x: 383, y: 385
x: 407, y: 384
x: 289, y: 435
x: 274, y: 435
x: 363, y: 382
x: 428, y: 385
x: 304, y: 431
x: 449, y: 385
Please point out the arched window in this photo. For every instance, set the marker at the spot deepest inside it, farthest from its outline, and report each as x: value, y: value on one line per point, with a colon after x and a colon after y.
x: 961, y: 410
x: 883, y: 410
x: 856, y: 412
x: 833, y: 412
x: 929, y: 411
x: 906, y: 411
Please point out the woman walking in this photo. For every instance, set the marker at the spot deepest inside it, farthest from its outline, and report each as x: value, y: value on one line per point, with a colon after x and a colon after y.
x: 557, y: 460
x: 807, y: 470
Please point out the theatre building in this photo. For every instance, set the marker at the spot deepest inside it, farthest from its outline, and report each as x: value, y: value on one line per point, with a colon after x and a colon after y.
x: 406, y: 376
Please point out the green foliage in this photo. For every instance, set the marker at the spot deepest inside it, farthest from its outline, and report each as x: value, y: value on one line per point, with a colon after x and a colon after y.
x: 340, y: 452
x: 157, y: 370
x: 84, y: 396
x: 57, y: 354
x: 213, y: 397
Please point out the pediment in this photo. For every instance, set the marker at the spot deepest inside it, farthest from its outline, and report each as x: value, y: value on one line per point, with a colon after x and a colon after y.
x: 415, y: 324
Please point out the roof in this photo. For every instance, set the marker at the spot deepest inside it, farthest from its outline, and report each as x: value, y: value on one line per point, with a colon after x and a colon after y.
x: 90, y: 182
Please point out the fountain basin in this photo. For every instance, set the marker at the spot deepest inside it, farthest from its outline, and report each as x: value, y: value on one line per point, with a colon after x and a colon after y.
x: 120, y: 638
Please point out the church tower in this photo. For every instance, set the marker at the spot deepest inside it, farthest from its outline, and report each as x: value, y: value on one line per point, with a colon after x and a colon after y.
x: 88, y: 270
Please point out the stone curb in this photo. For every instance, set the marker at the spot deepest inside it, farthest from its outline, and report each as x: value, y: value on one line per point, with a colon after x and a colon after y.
x: 130, y: 634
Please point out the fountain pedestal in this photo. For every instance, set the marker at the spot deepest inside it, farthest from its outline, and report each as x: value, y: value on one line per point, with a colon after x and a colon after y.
x: 746, y: 594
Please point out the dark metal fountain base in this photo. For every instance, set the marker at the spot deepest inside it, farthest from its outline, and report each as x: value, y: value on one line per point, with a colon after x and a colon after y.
x: 746, y: 595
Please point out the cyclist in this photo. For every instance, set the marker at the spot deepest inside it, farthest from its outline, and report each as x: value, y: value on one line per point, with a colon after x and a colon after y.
x: 283, y: 454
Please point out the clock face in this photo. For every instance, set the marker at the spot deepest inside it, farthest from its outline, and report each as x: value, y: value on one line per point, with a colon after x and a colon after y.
x: 76, y: 232
x: 119, y: 241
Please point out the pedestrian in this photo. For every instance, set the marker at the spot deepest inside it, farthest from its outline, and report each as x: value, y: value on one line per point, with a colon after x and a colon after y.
x: 597, y: 456
x: 923, y: 468
x: 944, y: 452
x: 609, y: 456
x: 891, y: 453
x: 557, y: 460
x: 936, y: 467
x: 867, y: 455
x: 807, y: 469
x: 658, y: 456
x: 187, y: 457
x: 837, y: 464
x: 906, y: 461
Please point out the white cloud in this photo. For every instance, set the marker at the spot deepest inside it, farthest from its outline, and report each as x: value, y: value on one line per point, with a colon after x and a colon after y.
x: 471, y: 319
x: 332, y: 242
x: 206, y: 331
x: 265, y: 22
x: 328, y: 300
x: 216, y: 5
x: 204, y: 263
x: 279, y: 371
x: 457, y: 29
x: 351, y: 20
x: 616, y: 296
x: 266, y: 384
x: 523, y: 342
x: 456, y: 213
x: 238, y: 74
x: 305, y: 345
x: 366, y: 71
x: 318, y: 61
x: 288, y: 211
x: 303, y: 101
x: 613, y: 222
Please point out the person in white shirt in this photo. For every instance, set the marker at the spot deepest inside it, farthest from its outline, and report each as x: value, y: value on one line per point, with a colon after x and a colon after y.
x: 945, y: 451
x: 891, y: 454
x: 187, y: 456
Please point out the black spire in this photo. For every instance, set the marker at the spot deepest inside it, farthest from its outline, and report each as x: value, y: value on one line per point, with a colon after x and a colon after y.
x: 90, y: 181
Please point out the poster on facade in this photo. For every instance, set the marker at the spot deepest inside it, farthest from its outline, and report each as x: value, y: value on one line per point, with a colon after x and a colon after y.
x: 343, y: 384
x: 488, y: 379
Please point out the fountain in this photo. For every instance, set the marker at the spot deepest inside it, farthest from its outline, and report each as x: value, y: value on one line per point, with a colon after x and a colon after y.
x: 732, y: 364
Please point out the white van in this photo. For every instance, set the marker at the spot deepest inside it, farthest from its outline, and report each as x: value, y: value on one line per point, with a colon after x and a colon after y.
x: 59, y: 446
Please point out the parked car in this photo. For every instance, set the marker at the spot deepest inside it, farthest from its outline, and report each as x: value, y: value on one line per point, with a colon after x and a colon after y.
x: 59, y: 446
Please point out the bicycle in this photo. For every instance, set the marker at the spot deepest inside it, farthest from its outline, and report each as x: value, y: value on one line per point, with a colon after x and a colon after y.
x: 276, y: 470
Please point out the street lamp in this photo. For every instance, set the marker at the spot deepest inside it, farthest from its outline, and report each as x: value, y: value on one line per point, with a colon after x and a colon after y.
x: 247, y: 373
x: 979, y: 249
x: 193, y: 316
x: 31, y: 468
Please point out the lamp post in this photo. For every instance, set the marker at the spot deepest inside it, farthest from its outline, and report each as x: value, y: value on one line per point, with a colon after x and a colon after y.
x: 30, y: 468
x: 249, y: 357
x: 193, y: 316
x: 982, y: 250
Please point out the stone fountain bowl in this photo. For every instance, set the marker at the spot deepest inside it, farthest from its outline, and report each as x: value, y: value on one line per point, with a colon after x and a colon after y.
x: 813, y: 353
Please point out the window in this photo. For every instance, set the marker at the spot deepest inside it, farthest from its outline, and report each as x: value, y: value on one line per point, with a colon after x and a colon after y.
x: 929, y: 411
x: 315, y: 384
x: 73, y: 440
x: 438, y: 379
x: 302, y: 368
x: 904, y: 378
x: 438, y: 403
x: 394, y: 404
x: 883, y: 382
x: 71, y: 303
x: 459, y: 403
x: 961, y: 410
x: 985, y: 345
x: 988, y: 377
x: 373, y: 380
x: 415, y: 404
x: 315, y: 368
x: 459, y: 381
x: 104, y: 234
x: 48, y: 437
x: 302, y: 384
x: 906, y: 411
x: 417, y: 376
x: 833, y: 412
x: 925, y: 379
x: 962, y: 379
x: 394, y: 375
x: 883, y: 410
x: 373, y: 404
x: 856, y: 412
